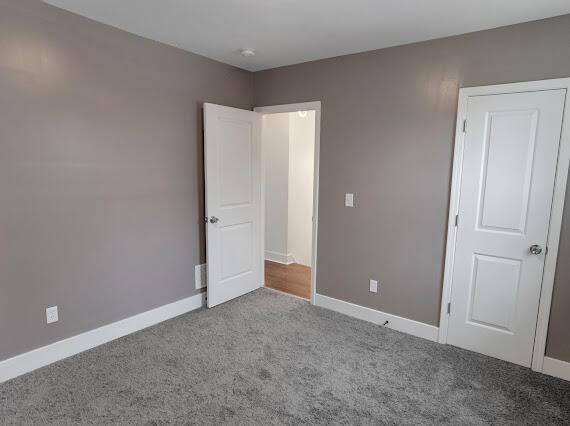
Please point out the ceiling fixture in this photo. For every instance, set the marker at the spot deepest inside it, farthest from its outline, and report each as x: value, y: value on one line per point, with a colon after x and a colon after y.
x: 247, y: 52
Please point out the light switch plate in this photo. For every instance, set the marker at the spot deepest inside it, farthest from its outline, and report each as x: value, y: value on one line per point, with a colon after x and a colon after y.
x: 52, y: 315
x: 349, y: 200
x: 373, y: 286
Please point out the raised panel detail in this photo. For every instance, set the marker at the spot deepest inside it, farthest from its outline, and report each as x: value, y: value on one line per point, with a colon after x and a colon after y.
x: 494, y: 291
x: 235, y: 163
x: 236, y: 244
x: 507, y: 170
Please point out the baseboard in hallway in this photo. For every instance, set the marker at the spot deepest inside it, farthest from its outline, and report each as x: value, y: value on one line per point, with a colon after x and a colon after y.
x: 285, y: 259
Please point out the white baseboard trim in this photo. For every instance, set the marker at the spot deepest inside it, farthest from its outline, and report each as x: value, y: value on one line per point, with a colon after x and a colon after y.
x: 29, y: 361
x: 415, y: 328
x: 557, y: 368
x: 273, y: 256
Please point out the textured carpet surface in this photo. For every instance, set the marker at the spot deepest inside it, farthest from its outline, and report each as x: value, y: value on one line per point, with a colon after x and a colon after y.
x: 267, y: 358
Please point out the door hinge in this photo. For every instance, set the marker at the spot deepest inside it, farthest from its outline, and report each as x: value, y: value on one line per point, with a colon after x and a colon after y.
x: 456, y: 220
x: 464, y: 126
x: 449, y: 308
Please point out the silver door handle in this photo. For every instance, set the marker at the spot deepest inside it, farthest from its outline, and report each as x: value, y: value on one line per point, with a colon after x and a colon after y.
x: 214, y: 219
x: 535, y: 249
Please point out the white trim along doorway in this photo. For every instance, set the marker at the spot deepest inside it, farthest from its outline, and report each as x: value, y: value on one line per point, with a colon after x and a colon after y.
x: 556, y: 211
x: 276, y: 109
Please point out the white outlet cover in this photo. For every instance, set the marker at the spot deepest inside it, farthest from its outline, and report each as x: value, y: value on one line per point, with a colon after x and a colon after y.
x: 349, y: 200
x: 373, y: 286
x: 52, y: 315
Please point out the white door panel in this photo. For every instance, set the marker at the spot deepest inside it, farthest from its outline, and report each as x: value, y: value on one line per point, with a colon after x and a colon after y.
x: 232, y: 146
x: 509, y: 164
x: 509, y: 141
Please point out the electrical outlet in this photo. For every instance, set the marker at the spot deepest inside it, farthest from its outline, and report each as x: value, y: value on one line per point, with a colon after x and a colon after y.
x: 373, y: 286
x: 201, y: 276
x: 52, y: 315
x: 349, y: 200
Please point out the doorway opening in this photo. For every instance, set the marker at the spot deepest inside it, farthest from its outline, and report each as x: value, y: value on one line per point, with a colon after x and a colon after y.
x: 289, y: 140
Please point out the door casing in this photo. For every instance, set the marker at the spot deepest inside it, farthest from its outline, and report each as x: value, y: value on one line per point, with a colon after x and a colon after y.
x: 276, y: 109
x: 555, y: 215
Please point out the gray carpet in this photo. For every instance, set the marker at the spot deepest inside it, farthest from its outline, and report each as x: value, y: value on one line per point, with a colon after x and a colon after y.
x: 267, y: 358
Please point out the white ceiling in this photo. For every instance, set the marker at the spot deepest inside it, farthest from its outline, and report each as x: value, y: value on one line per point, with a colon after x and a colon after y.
x: 285, y: 32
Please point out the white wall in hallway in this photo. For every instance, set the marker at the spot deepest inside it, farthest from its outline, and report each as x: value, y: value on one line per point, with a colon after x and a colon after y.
x: 301, y: 165
x: 289, y: 145
x: 275, y: 128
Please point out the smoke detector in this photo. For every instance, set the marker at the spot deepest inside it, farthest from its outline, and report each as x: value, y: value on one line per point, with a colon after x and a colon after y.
x: 247, y: 52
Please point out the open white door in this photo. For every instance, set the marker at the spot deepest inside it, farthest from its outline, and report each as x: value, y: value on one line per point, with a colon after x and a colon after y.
x: 232, y: 147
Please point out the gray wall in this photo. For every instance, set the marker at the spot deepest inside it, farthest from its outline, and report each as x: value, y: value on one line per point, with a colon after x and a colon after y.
x: 388, y: 120
x: 101, y: 188
x: 100, y: 171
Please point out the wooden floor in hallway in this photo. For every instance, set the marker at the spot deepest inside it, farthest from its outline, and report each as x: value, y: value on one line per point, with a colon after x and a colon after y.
x: 294, y: 279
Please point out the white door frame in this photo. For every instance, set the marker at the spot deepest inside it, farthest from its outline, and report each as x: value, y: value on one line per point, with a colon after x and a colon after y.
x: 555, y: 215
x: 276, y: 109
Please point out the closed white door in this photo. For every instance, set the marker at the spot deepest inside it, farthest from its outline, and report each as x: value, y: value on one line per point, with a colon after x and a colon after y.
x: 509, y: 164
x: 232, y: 147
